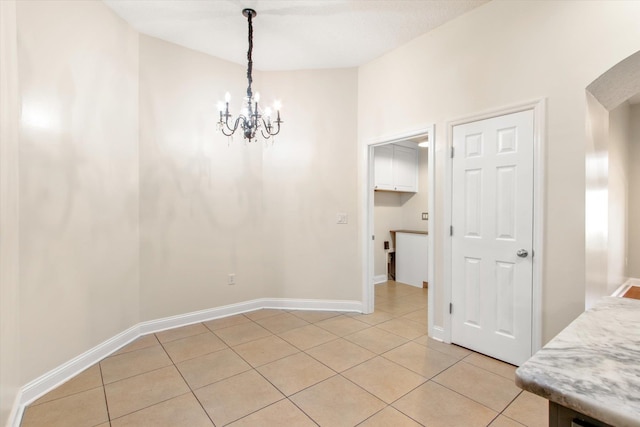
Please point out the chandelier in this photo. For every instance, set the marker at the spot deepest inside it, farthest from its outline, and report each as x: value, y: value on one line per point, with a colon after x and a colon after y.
x: 251, y: 119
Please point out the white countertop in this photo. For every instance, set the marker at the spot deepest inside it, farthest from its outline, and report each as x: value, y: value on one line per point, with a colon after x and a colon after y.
x: 593, y: 365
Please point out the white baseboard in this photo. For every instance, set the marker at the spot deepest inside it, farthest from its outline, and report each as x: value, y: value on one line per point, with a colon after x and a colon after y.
x: 313, y: 304
x: 625, y: 287
x: 15, y: 416
x: 437, y: 333
x: 52, y: 379
x: 171, y: 322
x: 381, y: 278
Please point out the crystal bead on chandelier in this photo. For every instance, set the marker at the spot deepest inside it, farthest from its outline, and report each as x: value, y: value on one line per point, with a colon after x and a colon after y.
x: 251, y: 119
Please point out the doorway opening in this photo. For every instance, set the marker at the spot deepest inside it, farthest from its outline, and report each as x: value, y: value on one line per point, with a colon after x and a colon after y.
x: 612, y: 157
x: 400, y: 210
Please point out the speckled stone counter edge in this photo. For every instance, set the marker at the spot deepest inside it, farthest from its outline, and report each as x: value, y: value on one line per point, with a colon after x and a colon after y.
x: 593, y: 366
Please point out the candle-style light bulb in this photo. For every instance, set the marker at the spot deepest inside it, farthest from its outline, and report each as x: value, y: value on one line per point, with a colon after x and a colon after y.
x: 227, y: 97
x: 256, y: 98
x: 277, y: 105
x: 267, y: 112
x: 220, y: 106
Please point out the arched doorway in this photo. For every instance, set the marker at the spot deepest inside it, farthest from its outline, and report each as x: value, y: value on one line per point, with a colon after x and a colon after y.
x: 612, y: 240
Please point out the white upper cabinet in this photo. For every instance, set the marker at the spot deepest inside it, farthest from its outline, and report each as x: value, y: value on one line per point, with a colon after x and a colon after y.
x: 396, y: 167
x: 383, y: 167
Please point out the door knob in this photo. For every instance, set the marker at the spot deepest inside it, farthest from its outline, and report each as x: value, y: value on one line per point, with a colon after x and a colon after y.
x: 522, y: 253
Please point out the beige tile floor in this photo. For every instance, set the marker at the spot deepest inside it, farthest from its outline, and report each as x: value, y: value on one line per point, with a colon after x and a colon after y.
x: 296, y: 368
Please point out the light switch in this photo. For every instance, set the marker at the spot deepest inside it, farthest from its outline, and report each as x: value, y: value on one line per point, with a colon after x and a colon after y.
x: 342, y: 218
x: 425, y: 216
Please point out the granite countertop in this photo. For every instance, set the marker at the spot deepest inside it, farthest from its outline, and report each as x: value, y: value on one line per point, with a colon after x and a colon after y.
x: 593, y: 365
x: 410, y: 231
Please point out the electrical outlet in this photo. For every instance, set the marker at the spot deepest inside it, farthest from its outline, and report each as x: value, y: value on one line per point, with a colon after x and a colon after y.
x: 425, y: 216
x: 231, y: 280
x: 342, y: 218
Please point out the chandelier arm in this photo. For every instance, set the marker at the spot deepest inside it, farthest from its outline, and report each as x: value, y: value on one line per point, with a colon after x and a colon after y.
x: 231, y: 129
x: 265, y: 135
x: 267, y: 127
x: 276, y: 132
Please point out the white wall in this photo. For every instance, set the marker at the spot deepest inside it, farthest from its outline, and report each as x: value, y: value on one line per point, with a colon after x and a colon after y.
x: 415, y: 204
x: 265, y: 212
x: 619, y: 127
x: 606, y: 199
x: 596, y: 201
x: 78, y: 81
x: 633, y: 265
x: 497, y: 55
x: 200, y: 195
x: 308, y: 176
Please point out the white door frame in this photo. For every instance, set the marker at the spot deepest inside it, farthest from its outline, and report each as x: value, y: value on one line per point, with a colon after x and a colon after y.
x: 539, y: 115
x: 368, y: 282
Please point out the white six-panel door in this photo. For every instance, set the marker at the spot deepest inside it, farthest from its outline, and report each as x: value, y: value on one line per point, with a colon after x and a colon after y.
x: 492, y: 219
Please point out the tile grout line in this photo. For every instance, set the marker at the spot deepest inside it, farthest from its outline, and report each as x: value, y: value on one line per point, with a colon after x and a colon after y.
x: 284, y: 396
x: 148, y: 406
x: 153, y: 370
x: 104, y: 391
x: 65, y: 396
x: 192, y: 391
x: 485, y: 369
x: 277, y: 312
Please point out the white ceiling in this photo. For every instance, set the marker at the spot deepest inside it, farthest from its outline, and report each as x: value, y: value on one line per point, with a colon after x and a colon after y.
x: 291, y: 34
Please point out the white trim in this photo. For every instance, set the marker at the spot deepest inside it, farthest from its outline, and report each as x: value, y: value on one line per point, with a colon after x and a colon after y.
x: 52, y: 379
x: 380, y: 278
x: 345, y: 306
x: 445, y: 328
x: 622, y: 289
x: 539, y: 165
x: 539, y: 186
x: 437, y: 333
x: 9, y: 213
x: 367, y: 224
x: 165, y: 323
x: 17, y: 411
x: 367, y: 202
x: 57, y: 376
x: 179, y: 320
x: 431, y: 228
x: 631, y: 281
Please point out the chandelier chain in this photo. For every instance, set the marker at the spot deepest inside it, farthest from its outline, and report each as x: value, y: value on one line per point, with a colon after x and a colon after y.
x: 249, y: 58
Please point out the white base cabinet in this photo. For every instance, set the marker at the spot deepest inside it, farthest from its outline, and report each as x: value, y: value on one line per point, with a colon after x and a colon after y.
x: 412, y: 252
